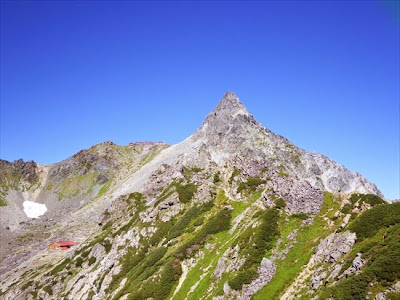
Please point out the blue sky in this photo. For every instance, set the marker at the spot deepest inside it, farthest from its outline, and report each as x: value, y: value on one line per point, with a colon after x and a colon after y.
x: 323, y: 74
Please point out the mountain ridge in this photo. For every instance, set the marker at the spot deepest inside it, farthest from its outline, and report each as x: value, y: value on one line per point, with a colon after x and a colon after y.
x: 228, y: 109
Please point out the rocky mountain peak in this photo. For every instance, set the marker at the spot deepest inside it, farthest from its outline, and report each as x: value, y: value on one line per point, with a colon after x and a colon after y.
x: 229, y: 115
x: 230, y: 104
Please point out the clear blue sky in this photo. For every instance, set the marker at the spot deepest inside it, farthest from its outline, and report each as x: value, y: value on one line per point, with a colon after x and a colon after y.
x: 323, y: 74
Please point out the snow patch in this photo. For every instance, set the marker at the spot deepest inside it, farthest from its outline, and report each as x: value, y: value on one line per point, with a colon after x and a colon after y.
x: 33, y: 209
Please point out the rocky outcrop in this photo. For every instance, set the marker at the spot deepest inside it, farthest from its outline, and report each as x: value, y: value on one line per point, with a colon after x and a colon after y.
x: 324, y: 172
x: 395, y: 288
x: 299, y: 195
x: 97, y: 251
x: 355, y: 267
x: 330, y: 250
x: 266, y: 271
x: 19, y: 170
x: 334, y: 246
x: 229, y: 262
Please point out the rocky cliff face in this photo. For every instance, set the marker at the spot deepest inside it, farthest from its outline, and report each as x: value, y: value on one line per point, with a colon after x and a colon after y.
x: 232, y: 212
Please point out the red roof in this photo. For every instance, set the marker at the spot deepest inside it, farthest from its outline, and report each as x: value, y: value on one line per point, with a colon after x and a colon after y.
x: 66, y: 243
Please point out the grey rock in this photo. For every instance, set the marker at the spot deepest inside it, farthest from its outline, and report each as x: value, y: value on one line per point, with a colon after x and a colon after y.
x: 380, y: 296
x: 98, y: 251
x: 334, y: 246
x: 318, y: 278
x: 266, y: 270
x: 101, y: 179
x: 358, y: 262
x: 220, y: 268
x: 336, y: 271
x: 227, y: 288
x: 355, y: 268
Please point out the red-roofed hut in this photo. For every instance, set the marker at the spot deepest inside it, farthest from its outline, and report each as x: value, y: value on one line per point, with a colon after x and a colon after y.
x: 61, y: 245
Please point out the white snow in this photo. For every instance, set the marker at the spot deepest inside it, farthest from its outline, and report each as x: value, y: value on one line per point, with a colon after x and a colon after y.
x: 33, y: 209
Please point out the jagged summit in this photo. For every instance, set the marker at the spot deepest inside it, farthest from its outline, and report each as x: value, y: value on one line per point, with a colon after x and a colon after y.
x: 230, y: 131
x: 230, y: 104
x: 228, y: 114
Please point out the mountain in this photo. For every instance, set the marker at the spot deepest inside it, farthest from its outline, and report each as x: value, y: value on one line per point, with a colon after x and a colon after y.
x: 232, y: 212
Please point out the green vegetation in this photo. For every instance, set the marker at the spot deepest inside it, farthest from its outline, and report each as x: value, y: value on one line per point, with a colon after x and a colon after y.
x: 196, y: 169
x: 138, y: 200
x: 393, y: 296
x: 217, y: 178
x: 191, y: 214
x: 221, y: 199
x: 74, y: 186
x: 140, y: 264
x: 351, y: 288
x: 91, y: 294
x: 98, y: 239
x: 167, y: 191
x: 253, y: 244
x: 372, y: 220
x: 163, y: 229
x: 201, y: 274
x: 162, y: 287
x: 250, y: 185
x: 48, y: 290
x: 383, y: 266
x: 235, y: 173
x: 199, y: 221
x: 185, y: 192
x: 281, y: 173
x: 92, y: 260
x: 243, y: 277
x: 301, y: 216
x: 218, y: 223
x: 107, y: 245
x: 139, y: 204
x: 377, y: 232
x: 307, y: 238
x: 280, y: 203
x: 366, y: 198
x: 132, y: 258
x: 60, y: 267
x: 137, y: 267
x: 107, y: 225
x: 346, y: 209
x: 27, y: 285
x: 104, y: 189
x: 2, y: 202
x: 79, y: 262
x: 151, y: 270
x: 238, y: 207
x: 188, y: 172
